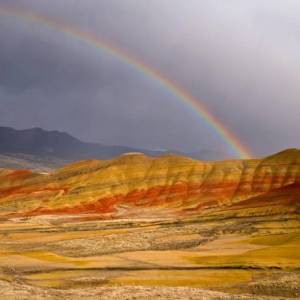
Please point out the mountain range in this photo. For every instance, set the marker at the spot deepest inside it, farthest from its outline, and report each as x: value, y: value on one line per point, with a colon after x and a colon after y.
x: 43, y: 150
x: 40, y: 149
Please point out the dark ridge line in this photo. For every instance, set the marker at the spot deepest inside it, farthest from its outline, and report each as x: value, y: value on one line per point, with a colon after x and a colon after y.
x: 164, y: 269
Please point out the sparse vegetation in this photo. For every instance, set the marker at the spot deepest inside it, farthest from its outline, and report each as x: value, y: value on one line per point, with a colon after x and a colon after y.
x: 149, y: 228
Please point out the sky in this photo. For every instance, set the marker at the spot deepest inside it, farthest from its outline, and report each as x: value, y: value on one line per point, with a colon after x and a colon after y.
x: 239, y: 58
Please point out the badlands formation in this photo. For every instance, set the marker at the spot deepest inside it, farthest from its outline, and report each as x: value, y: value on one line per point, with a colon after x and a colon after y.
x: 137, y: 227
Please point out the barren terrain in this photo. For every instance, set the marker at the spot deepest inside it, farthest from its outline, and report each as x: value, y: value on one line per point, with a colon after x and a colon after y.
x: 156, y: 233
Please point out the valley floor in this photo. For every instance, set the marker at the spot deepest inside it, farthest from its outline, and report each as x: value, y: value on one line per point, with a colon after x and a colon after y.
x: 75, y: 257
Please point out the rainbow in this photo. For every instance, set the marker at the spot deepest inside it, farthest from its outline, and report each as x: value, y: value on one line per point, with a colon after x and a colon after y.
x: 180, y: 93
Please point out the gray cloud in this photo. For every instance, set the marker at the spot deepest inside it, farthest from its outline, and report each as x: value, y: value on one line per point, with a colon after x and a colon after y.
x: 239, y: 57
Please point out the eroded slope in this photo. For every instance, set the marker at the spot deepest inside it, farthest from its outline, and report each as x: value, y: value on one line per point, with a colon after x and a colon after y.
x: 137, y: 185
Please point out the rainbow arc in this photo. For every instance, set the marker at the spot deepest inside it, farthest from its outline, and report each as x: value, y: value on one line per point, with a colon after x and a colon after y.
x: 179, y: 92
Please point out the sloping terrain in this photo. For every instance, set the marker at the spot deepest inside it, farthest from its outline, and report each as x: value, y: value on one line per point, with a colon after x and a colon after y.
x: 162, y: 228
x: 30, y: 162
x: 132, y: 183
x: 37, y: 146
x: 41, y: 150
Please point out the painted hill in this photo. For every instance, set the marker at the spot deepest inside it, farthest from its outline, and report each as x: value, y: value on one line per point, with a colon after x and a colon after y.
x: 135, y: 185
x: 156, y: 224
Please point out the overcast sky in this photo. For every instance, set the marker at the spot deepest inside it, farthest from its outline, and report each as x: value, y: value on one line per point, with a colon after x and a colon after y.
x: 241, y: 58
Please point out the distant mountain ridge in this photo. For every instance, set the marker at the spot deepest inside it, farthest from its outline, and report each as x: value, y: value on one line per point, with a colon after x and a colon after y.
x: 42, y: 144
x: 44, y: 150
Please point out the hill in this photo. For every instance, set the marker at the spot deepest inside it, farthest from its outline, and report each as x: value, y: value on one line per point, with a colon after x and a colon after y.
x: 53, y: 148
x: 43, y: 150
x: 153, y: 226
x: 169, y: 184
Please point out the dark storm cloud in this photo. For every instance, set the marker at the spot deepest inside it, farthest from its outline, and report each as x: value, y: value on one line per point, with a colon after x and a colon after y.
x: 40, y: 59
x: 239, y: 57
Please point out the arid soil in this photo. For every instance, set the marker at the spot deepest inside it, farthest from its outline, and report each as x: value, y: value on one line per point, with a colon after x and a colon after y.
x: 26, y: 292
x: 46, y: 257
x: 152, y: 228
